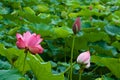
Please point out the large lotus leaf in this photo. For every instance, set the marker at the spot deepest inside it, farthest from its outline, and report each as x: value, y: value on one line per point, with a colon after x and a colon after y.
x: 113, y: 64
x: 42, y: 70
x: 10, y: 75
x: 116, y: 44
x: 43, y: 29
x: 33, y: 18
x: 42, y: 8
x: 62, y: 32
x: 29, y: 10
x: 15, y: 57
x: 81, y: 42
x: 4, y: 65
x: 96, y: 36
x: 112, y: 30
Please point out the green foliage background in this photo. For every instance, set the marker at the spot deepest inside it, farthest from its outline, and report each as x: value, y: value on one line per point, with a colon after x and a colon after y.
x: 53, y: 20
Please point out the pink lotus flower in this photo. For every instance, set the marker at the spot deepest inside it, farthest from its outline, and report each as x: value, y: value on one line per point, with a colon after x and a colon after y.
x: 29, y: 42
x: 84, y: 58
x: 76, y: 26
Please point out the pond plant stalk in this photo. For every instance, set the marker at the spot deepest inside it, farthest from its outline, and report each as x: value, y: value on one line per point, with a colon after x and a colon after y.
x: 80, y: 73
x: 71, y: 60
x: 26, y: 52
x: 76, y: 29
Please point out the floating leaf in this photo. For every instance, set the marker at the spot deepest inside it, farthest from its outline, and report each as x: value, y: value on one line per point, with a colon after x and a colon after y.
x: 29, y: 10
x: 42, y: 8
x: 10, y: 75
x: 113, y: 64
x: 112, y: 30
x: 116, y: 44
x: 13, y: 31
x: 62, y: 32
x: 43, y: 29
x: 15, y: 57
x: 42, y: 70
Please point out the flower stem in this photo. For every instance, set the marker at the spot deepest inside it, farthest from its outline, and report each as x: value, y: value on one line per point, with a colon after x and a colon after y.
x: 71, y: 60
x: 24, y: 61
x: 80, y: 73
x: 69, y: 68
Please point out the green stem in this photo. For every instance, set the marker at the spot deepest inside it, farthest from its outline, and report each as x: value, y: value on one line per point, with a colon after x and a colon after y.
x: 65, y: 56
x: 94, y: 69
x: 71, y: 60
x: 65, y: 50
x: 24, y: 62
x: 80, y: 73
x: 68, y: 68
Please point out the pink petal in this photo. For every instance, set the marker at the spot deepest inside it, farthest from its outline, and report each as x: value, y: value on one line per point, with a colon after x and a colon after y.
x: 19, y: 36
x: 88, y: 65
x: 27, y: 34
x: 34, y: 40
x: 39, y: 39
x: 84, y: 57
x: 36, y: 49
x: 20, y: 43
x: 87, y: 61
x: 26, y: 37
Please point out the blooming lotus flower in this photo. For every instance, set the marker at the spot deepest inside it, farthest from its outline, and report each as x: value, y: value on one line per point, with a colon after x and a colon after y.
x: 84, y: 58
x: 29, y: 42
x: 76, y: 26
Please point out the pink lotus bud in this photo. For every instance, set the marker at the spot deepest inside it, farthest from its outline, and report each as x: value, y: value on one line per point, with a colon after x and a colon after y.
x: 76, y: 26
x: 84, y: 58
x: 29, y: 42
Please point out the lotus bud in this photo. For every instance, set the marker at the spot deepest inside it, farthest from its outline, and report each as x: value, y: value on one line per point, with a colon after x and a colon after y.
x: 84, y: 58
x: 76, y: 26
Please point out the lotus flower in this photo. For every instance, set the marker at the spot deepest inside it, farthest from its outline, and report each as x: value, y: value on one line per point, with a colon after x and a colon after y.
x: 29, y: 42
x: 84, y: 58
x: 76, y: 26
